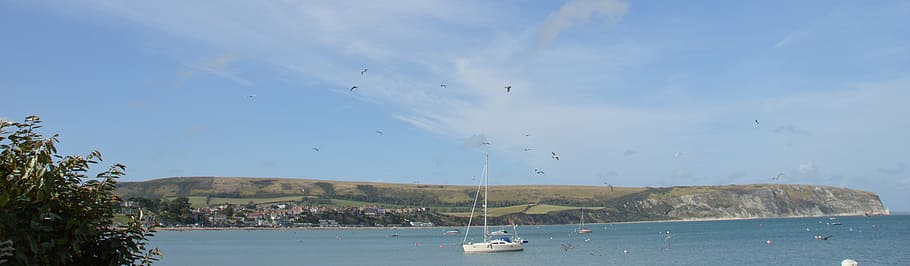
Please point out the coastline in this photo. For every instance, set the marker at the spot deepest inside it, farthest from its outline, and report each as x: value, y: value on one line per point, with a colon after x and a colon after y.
x: 448, y: 227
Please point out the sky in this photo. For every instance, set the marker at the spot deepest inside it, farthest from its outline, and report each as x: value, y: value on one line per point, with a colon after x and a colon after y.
x: 627, y: 93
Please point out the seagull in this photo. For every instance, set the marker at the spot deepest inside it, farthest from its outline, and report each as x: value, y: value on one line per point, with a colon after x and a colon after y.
x: 526, y: 134
x: 363, y: 71
x: 442, y: 85
x: 527, y: 149
x: 554, y: 155
x: 777, y: 177
x: 379, y: 132
x: 316, y: 148
x: 567, y: 246
x: 508, y: 88
x: 251, y: 96
x: 756, y: 123
x: 486, y: 143
x: 538, y: 171
x: 353, y: 87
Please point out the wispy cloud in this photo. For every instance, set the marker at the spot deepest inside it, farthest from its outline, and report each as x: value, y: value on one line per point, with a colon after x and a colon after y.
x: 577, y: 12
x: 787, y: 39
x: 216, y: 66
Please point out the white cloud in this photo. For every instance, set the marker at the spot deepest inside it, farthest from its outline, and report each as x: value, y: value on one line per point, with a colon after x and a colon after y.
x: 577, y: 12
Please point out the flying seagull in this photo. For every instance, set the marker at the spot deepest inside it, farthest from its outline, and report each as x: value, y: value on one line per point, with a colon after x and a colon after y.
x: 526, y: 134
x: 777, y: 177
x: 363, y: 71
x: 379, y: 132
x: 538, y: 171
x: 756, y: 123
x: 508, y: 88
x: 554, y: 155
x: 251, y: 96
x: 567, y: 246
x: 353, y: 87
x: 486, y: 143
x: 316, y: 148
x: 442, y: 85
x: 527, y: 149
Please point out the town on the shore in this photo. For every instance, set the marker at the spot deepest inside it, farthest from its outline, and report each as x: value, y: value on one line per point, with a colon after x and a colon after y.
x: 178, y: 213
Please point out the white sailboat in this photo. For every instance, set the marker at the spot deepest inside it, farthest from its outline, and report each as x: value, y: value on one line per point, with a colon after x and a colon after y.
x: 581, y: 228
x: 490, y: 243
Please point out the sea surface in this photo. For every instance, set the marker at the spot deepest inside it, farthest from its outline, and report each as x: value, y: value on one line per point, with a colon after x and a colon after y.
x: 877, y: 240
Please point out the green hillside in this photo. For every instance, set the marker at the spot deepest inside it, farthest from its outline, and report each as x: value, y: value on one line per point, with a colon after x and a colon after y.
x: 529, y: 204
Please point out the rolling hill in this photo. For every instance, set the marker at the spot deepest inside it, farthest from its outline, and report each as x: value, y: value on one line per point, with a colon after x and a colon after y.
x: 528, y: 204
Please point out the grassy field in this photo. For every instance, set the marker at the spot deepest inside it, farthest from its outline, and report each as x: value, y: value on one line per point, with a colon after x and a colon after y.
x: 351, y: 203
x: 545, y: 208
x: 495, y: 212
x: 199, y: 201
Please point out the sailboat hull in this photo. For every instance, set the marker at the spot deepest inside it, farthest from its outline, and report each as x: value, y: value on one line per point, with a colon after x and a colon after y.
x: 488, y: 247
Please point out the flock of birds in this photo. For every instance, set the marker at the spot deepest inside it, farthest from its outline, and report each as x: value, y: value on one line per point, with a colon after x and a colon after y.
x: 553, y: 155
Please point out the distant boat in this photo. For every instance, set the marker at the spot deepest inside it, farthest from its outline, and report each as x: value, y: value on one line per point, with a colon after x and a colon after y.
x: 452, y: 232
x: 581, y: 227
x: 499, y: 233
x: 500, y: 243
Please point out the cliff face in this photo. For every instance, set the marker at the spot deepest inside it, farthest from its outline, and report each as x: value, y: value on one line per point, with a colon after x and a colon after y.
x: 758, y: 202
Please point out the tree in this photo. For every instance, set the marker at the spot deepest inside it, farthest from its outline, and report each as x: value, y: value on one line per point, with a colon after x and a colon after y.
x: 53, y: 213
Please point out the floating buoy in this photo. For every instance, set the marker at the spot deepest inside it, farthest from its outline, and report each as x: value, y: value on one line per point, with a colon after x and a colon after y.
x: 625, y: 251
x: 849, y: 262
x: 769, y: 242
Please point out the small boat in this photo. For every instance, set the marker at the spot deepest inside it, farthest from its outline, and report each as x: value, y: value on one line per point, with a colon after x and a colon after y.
x: 499, y: 243
x: 499, y: 233
x: 581, y: 228
x: 394, y: 235
x: 452, y: 232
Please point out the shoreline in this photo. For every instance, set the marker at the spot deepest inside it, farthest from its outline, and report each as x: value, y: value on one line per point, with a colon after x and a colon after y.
x: 178, y: 229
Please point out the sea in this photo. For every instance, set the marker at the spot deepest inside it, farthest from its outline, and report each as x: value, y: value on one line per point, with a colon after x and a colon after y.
x: 875, y: 240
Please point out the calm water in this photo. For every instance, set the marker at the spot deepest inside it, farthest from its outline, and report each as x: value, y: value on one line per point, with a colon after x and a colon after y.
x: 880, y: 240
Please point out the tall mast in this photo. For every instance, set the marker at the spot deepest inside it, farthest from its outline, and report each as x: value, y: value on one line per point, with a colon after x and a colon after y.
x: 486, y: 187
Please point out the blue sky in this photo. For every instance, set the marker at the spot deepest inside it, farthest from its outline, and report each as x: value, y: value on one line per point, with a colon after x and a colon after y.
x: 629, y: 93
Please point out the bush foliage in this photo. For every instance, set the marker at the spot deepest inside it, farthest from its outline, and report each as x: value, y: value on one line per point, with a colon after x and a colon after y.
x: 53, y: 213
